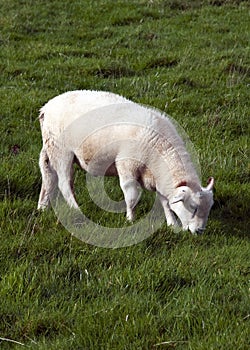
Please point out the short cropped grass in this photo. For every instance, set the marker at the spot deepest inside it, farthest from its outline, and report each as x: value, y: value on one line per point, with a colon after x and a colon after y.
x: 189, y: 59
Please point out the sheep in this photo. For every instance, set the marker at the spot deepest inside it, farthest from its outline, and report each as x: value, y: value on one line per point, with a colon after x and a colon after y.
x: 107, y: 134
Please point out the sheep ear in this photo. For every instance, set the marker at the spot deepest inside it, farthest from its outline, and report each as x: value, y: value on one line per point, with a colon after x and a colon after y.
x: 210, y: 184
x: 179, y: 197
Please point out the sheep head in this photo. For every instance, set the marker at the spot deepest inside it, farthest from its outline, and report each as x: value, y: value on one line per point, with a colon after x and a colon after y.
x: 192, y: 207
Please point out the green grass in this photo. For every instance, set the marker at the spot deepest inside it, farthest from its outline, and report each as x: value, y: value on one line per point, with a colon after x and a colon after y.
x: 173, y: 290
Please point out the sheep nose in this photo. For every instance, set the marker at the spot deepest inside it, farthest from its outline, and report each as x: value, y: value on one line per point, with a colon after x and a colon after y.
x: 197, y: 231
x: 200, y: 230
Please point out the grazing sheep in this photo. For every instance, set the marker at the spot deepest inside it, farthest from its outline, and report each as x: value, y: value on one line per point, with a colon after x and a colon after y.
x: 107, y: 134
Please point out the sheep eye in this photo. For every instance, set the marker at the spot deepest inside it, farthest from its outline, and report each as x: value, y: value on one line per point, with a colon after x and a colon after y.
x: 194, y: 213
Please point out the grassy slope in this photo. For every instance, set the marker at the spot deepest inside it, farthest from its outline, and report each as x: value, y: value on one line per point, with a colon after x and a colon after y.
x: 188, y: 59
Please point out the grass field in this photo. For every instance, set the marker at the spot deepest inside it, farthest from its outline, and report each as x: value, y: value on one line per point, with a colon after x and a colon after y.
x: 173, y: 290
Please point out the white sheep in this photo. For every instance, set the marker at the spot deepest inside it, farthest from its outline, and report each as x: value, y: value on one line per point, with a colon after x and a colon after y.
x: 107, y: 134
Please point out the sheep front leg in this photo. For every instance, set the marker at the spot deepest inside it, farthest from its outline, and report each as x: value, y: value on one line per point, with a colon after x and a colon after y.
x: 171, y: 221
x: 129, y: 185
x: 131, y: 195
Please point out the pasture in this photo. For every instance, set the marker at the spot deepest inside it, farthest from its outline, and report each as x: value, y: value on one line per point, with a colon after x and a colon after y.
x: 173, y: 290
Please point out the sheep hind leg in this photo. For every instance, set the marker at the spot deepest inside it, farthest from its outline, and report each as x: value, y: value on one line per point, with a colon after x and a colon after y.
x: 49, y: 181
x: 65, y: 180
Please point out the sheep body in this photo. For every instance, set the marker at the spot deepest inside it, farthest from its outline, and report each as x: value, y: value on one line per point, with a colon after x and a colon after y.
x: 110, y: 135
